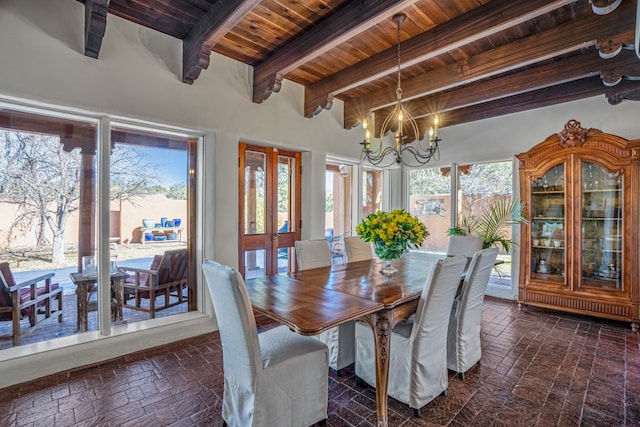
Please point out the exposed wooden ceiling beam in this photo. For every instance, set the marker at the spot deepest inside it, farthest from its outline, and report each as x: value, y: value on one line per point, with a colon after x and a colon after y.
x: 467, y: 28
x: 95, y: 25
x: 572, y: 91
x: 352, y: 19
x: 557, y: 41
x: 556, y: 73
x: 214, y: 25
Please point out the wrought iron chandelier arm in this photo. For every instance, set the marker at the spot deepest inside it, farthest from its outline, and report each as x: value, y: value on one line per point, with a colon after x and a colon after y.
x: 419, y: 158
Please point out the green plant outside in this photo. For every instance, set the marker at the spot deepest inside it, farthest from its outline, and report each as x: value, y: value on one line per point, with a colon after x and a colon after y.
x: 492, y: 224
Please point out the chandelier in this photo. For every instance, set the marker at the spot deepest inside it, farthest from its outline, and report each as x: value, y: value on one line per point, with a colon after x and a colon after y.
x: 408, y: 148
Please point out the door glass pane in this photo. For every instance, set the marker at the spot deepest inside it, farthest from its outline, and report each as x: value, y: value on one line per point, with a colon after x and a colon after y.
x: 602, y: 228
x: 430, y: 200
x: 548, y: 240
x: 255, y: 262
x: 255, y: 187
x: 337, y: 208
x: 150, y: 195
x: 286, y: 213
x: 480, y: 187
x: 371, y: 191
x: 285, y: 185
x: 47, y: 223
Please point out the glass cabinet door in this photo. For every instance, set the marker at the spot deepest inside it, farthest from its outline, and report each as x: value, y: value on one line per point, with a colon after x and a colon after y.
x: 601, y: 230
x: 548, y: 226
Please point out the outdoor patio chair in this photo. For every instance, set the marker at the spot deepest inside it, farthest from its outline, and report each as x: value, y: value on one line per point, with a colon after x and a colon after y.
x: 167, y: 277
x: 27, y: 299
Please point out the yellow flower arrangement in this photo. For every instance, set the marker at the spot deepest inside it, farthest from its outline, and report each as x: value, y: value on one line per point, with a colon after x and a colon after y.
x: 392, y: 232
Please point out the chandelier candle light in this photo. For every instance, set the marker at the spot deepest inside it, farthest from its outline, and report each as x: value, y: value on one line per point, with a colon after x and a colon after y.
x: 392, y: 233
x: 410, y: 152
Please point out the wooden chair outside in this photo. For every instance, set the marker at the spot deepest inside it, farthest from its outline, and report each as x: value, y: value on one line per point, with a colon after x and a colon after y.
x: 26, y: 299
x: 167, y: 277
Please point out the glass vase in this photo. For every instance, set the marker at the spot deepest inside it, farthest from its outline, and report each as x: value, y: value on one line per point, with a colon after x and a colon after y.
x: 388, y: 254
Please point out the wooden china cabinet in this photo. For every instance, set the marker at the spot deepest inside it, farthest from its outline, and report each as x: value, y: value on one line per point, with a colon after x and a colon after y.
x: 579, y: 249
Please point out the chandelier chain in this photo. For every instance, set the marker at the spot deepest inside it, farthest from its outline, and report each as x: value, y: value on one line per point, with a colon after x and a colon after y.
x: 398, y: 88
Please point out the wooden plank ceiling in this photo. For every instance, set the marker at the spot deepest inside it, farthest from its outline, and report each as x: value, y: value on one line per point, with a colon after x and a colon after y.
x: 463, y: 59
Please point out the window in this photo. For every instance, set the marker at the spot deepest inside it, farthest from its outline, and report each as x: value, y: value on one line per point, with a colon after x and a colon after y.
x: 479, y: 185
x: 47, y: 176
x: 151, y: 193
x: 49, y: 193
x: 371, y: 191
x: 337, y: 208
x: 430, y: 200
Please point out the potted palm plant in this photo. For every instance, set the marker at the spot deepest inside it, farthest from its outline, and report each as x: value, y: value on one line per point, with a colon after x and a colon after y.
x: 493, y: 223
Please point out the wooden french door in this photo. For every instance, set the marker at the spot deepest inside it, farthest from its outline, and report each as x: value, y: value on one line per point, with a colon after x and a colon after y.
x: 269, y: 182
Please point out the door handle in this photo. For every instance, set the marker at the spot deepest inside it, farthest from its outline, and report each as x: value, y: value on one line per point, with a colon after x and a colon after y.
x: 275, y: 236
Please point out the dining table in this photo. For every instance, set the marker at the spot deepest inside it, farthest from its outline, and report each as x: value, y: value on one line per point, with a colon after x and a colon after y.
x: 312, y: 301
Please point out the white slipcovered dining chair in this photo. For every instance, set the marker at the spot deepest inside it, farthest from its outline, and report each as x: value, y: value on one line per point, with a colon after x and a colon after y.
x: 464, y: 245
x: 341, y: 339
x: 357, y: 249
x: 312, y: 254
x: 276, y: 378
x: 463, y: 340
x: 418, y: 347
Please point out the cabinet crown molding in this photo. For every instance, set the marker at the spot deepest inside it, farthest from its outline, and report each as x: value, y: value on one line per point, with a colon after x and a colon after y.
x: 573, y: 135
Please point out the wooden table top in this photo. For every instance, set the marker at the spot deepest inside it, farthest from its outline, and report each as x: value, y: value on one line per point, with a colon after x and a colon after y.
x: 79, y: 278
x: 312, y: 301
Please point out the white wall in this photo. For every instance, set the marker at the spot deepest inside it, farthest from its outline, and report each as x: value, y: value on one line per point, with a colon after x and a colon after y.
x: 138, y: 76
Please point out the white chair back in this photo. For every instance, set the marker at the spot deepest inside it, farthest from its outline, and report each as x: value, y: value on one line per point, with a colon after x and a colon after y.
x: 276, y: 378
x: 312, y: 254
x: 464, y: 245
x: 357, y: 249
x: 436, y: 299
x: 476, y: 280
x: 236, y: 323
x: 429, y: 360
x: 463, y: 342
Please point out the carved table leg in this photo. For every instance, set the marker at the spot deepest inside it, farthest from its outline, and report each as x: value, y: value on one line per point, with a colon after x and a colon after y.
x: 382, y: 340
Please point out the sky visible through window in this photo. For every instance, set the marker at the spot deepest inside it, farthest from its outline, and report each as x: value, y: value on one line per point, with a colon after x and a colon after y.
x: 172, y: 165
